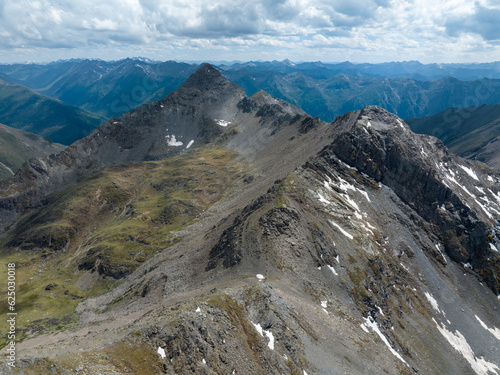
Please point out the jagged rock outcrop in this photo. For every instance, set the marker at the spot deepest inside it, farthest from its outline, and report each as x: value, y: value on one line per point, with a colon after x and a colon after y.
x: 458, y: 197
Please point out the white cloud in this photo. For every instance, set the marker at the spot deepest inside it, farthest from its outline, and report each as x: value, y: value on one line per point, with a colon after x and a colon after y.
x: 97, y: 24
x: 441, y: 30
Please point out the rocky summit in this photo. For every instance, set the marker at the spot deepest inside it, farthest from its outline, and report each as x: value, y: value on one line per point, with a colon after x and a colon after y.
x: 215, y: 233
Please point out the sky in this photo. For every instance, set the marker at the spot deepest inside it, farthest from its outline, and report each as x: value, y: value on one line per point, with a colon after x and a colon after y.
x: 430, y: 31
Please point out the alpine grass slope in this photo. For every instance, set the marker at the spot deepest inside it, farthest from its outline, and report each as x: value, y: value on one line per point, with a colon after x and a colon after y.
x: 215, y: 233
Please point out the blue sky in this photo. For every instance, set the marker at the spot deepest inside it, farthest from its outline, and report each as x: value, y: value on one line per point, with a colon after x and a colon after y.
x: 300, y: 30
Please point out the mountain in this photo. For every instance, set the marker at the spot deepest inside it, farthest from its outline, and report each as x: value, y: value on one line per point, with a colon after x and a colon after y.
x: 24, y: 109
x: 215, y: 233
x: 396, y: 69
x: 429, y: 72
x: 326, y: 90
x: 17, y: 146
x: 106, y: 88
x: 471, y: 132
x: 328, y: 97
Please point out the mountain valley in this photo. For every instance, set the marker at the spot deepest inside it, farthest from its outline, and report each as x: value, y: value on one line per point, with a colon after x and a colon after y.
x: 24, y: 109
x: 471, y: 132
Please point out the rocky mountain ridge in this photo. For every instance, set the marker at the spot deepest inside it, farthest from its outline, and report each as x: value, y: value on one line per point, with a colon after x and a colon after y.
x: 348, y: 247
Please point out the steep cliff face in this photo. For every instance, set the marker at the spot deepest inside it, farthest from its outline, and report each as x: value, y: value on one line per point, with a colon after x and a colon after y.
x: 350, y: 247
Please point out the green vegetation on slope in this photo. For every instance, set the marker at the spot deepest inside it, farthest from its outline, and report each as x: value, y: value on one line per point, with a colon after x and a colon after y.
x: 90, y: 235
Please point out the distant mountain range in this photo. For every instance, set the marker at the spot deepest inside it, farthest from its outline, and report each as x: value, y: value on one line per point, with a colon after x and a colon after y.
x: 403, y: 69
x: 106, y: 88
x: 27, y: 110
x: 328, y: 97
x: 409, y: 89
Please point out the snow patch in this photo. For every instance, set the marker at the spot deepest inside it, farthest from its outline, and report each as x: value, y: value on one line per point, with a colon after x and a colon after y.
x: 494, y: 331
x: 469, y: 171
x: 432, y: 301
x: 263, y: 332
x: 319, y: 197
x: 365, y: 194
x: 348, y: 235
x: 460, y: 344
x: 344, y: 185
x: 223, y: 123
x: 374, y: 327
x: 171, y: 141
x: 190, y: 143
x: 198, y: 310
x: 258, y: 328
x: 333, y: 270
x: 323, y: 200
x: 438, y: 247
x: 270, y: 336
x: 348, y: 166
x: 204, y: 362
x: 161, y: 352
x: 493, y: 247
x: 324, y: 304
x: 260, y: 276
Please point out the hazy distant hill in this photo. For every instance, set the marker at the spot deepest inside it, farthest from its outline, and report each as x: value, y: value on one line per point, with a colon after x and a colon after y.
x: 24, y: 109
x: 472, y: 132
x: 409, y: 89
x: 17, y: 146
x: 397, y: 69
x: 331, y: 96
x: 107, y: 88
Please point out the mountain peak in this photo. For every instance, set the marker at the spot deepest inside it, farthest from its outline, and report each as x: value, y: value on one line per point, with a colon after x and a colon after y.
x: 380, y: 119
x: 206, y: 77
